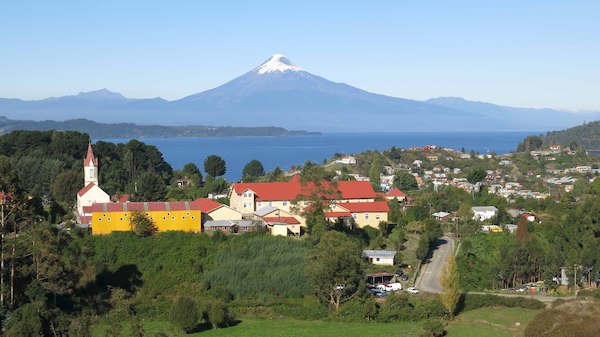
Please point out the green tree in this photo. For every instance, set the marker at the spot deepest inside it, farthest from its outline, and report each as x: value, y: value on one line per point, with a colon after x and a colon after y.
x: 150, y: 187
x: 215, y: 166
x: 276, y: 175
x: 184, y: 314
x: 65, y: 186
x: 253, y: 170
x: 450, y: 285
x: 476, y: 175
x: 217, y: 314
x: 192, y: 171
x: 114, y: 329
x: 334, y: 268
x: 370, y: 309
x: 405, y: 181
x: 375, y: 171
x: 141, y: 225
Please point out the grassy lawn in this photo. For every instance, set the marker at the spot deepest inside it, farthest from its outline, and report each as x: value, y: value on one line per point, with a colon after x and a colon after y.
x: 491, y: 322
x: 486, y: 322
x: 285, y: 327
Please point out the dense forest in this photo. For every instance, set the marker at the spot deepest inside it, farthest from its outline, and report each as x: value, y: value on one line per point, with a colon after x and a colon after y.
x: 586, y: 135
x: 130, y: 130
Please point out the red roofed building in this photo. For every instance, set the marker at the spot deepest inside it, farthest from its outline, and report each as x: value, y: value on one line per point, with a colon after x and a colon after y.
x: 212, y: 210
x: 396, y: 193
x: 168, y: 216
x: 363, y: 213
x: 249, y: 197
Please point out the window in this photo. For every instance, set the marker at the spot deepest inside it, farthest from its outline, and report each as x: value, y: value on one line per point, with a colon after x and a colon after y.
x: 172, y: 218
x: 366, y: 216
x: 99, y: 219
x: 108, y: 219
x: 168, y: 214
x: 164, y: 218
x: 259, y: 204
x: 151, y: 218
x: 377, y: 259
x: 188, y: 213
x: 103, y: 214
x: 192, y: 217
x: 121, y: 219
x: 125, y: 214
x: 377, y: 216
x: 354, y: 216
x: 270, y: 203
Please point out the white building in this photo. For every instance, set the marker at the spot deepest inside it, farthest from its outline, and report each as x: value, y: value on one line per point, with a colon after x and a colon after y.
x: 349, y: 160
x: 380, y: 257
x: 91, y: 193
x: 484, y: 212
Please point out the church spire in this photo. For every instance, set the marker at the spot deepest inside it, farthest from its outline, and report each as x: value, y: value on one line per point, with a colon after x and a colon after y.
x: 90, y: 159
x: 90, y: 167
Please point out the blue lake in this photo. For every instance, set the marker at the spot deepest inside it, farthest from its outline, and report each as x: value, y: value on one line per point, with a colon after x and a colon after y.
x: 294, y: 150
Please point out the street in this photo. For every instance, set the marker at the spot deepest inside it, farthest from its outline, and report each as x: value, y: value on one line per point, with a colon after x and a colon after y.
x: 429, y: 276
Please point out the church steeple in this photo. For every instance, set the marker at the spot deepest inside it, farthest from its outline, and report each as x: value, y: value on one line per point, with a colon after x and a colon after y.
x: 90, y: 167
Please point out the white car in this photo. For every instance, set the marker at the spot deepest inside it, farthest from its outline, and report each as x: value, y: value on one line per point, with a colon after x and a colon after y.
x: 393, y: 287
x: 413, y: 290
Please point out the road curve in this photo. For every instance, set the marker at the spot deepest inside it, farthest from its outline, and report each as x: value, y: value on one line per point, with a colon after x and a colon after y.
x: 429, y: 276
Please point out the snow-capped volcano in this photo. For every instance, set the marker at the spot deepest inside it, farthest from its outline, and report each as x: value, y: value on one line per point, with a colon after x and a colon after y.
x: 277, y: 62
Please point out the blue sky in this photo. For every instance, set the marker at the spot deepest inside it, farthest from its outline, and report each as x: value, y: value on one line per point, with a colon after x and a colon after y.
x: 520, y: 53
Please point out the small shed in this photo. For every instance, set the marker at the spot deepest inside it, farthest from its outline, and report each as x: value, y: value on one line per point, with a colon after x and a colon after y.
x: 380, y: 257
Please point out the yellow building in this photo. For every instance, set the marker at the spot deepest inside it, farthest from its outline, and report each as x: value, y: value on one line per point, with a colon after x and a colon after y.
x: 167, y: 216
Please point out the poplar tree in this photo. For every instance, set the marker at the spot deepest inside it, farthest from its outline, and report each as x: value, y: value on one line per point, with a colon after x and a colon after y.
x: 450, y: 284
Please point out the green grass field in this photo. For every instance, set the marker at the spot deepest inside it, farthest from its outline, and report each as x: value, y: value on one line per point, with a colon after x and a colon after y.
x: 487, y: 322
x: 491, y: 322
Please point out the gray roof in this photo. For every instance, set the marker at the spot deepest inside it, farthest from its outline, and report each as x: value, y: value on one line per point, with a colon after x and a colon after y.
x: 379, y: 253
x: 440, y: 214
x: 484, y: 209
x: 265, y: 210
x: 229, y: 223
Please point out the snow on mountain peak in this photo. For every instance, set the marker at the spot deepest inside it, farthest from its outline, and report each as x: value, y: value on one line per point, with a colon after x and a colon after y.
x: 277, y: 62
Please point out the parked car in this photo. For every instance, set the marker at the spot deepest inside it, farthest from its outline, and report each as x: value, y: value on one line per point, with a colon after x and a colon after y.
x: 381, y: 294
x: 380, y: 287
x: 393, y: 287
x: 413, y: 290
x: 404, y: 277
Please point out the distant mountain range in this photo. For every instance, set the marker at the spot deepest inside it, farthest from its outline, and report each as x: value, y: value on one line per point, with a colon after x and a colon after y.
x: 280, y: 93
x: 130, y: 130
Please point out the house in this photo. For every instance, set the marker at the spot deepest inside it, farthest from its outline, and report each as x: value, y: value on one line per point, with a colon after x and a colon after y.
x: 280, y: 222
x: 380, y: 257
x: 431, y: 157
x: 442, y: 216
x: 364, y: 213
x: 482, y: 213
x: 529, y: 216
x: 511, y: 228
x: 185, y: 181
x: 417, y: 163
x: 167, y: 216
x: 215, y: 211
x: 91, y: 193
x: 396, y: 193
x: 348, y: 160
x: 232, y: 226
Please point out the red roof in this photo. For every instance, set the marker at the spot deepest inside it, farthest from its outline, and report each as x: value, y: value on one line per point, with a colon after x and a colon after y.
x: 291, y: 189
x: 528, y: 214
x: 395, y: 192
x: 208, y: 205
x: 85, y: 189
x: 89, y: 158
x: 290, y: 220
x: 120, y: 199
x: 364, y: 207
x: 146, y: 206
x: 87, y: 209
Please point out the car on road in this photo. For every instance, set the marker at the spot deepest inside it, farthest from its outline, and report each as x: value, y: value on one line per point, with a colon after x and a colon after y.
x: 412, y: 290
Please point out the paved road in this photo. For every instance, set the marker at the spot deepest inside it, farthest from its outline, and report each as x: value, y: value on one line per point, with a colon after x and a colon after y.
x: 429, y: 276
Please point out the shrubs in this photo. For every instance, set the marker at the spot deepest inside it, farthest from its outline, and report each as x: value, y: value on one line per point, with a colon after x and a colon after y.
x: 217, y: 314
x: 574, y: 318
x: 184, y: 314
x: 433, y: 329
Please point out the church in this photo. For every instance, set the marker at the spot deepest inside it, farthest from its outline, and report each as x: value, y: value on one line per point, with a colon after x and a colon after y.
x: 91, y: 193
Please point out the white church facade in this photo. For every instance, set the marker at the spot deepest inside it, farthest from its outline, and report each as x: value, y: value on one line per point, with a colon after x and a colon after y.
x: 91, y: 193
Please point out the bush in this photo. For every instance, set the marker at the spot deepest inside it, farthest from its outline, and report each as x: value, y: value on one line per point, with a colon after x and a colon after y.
x: 574, y: 318
x: 351, y: 311
x: 184, y: 314
x: 217, y: 314
x: 433, y: 329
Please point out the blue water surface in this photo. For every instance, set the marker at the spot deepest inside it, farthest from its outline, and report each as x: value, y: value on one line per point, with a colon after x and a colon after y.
x: 294, y: 150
